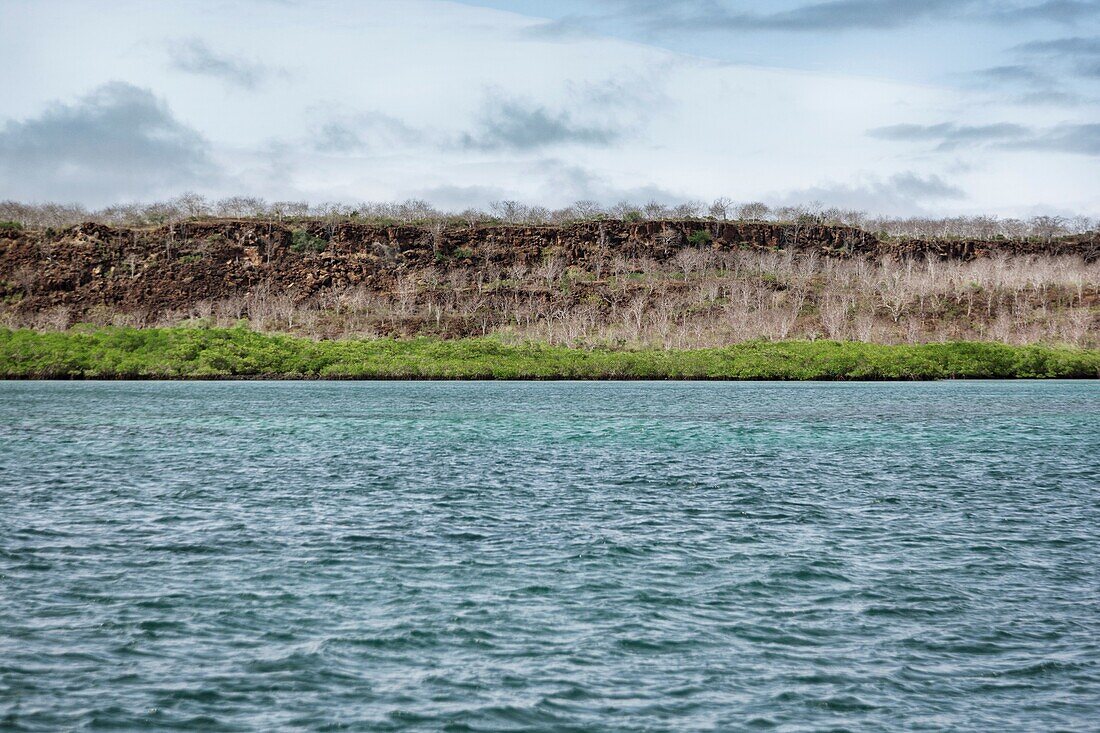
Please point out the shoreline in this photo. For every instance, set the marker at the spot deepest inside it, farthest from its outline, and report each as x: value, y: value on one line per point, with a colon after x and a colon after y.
x: 606, y: 380
x: 239, y: 354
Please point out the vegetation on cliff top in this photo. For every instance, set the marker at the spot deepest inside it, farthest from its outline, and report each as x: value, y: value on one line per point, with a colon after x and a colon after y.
x: 181, y: 353
x: 192, y: 207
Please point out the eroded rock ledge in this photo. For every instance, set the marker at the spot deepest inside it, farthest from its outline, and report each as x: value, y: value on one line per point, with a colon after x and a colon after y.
x: 174, y: 266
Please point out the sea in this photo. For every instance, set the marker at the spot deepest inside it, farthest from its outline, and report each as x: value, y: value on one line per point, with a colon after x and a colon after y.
x: 550, y: 556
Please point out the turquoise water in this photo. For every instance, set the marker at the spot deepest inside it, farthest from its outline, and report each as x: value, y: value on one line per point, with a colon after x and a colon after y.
x: 549, y: 556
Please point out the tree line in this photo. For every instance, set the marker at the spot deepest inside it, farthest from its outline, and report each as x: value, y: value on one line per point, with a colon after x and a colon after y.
x: 191, y: 206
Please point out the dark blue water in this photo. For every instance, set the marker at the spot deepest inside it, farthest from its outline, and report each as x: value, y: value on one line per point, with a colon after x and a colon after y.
x: 558, y: 556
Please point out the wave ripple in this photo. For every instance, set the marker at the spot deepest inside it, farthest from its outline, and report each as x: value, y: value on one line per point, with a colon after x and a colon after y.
x: 565, y: 556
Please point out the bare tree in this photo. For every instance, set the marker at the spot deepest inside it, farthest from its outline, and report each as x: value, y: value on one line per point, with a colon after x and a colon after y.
x: 471, y: 217
x: 193, y: 204
x: 240, y: 206
x: 720, y: 209
x: 688, y: 210
x: 510, y: 211
x: 586, y: 209
x: 667, y: 239
x: 753, y: 211
x: 1047, y: 228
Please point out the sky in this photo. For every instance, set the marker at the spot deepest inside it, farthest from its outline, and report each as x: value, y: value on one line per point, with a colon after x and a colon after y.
x: 895, y: 107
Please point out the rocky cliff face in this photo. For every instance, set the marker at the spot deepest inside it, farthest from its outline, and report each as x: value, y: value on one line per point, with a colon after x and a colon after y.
x: 173, y: 267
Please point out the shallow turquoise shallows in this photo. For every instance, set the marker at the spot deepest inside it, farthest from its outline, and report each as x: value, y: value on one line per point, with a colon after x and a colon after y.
x: 550, y: 556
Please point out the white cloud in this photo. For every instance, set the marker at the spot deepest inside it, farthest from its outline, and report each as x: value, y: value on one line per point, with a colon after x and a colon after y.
x: 194, y: 56
x: 117, y: 142
x: 361, y: 115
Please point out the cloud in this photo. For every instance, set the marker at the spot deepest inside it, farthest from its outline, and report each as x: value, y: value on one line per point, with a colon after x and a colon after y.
x: 1043, y: 71
x: 710, y: 15
x: 362, y: 131
x: 338, y: 137
x: 1075, y: 139
x: 552, y: 182
x: 1030, y: 84
x: 595, y: 114
x: 569, y: 28
x: 1051, y: 96
x: 118, y: 142
x: 565, y: 182
x: 840, y: 14
x: 509, y: 123
x: 1015, y: 74
x: 901, y: 194
x: 1054, y: 11
x: 456, y: 198
x: 949, y: 136
x: 929, y: 187
x: 1080, y: 139
x: 628, y: 91
x: 1081, y: 53
x: 193, y: 56
x: 831, y: 15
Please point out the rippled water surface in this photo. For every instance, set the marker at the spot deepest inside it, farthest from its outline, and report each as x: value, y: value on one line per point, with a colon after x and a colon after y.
x: 554, y: 556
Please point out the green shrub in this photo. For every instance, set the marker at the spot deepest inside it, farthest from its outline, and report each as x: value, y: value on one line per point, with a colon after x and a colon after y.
x: 11, y: 226
x: 303, y: 241
x: 86, y: 351
x: 699, y: 238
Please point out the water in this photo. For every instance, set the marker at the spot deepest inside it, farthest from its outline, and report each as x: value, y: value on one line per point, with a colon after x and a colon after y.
x: 554, y: 556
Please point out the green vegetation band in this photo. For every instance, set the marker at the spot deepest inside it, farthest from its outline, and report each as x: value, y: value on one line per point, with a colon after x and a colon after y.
x: 184, y: 353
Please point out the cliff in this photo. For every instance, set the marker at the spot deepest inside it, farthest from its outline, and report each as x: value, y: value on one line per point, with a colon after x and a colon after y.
x: 173, y: 267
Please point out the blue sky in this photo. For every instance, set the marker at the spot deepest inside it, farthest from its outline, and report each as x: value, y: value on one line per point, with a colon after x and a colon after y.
x: 891, y: 106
